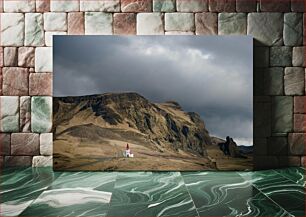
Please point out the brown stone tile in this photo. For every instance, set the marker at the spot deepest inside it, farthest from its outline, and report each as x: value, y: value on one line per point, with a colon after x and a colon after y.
x: 136, y: 5
x: 17, y: 161
x: 10, y: 56
x: 272, y: 6
x: 297, y: 143
x: 25, y: 114
x: 1, y: 6
x: 25, y: 144
x: 222, y: 6
x: 1, y: 79
x: 40, y: 84
x: 303, y: 161
x: 124, y: 24
x: 304, y: 29
x: 76, y: 23
x: 297, y: 5
x: 299, y: 123
x: 5, y: 144
x: 42, y: 5
x: 246, y: 5
x: 26, y: 56
x: 206, y: 23
x: 1, y: 56
x: 15, y: 81
x: 299, y: 104
x: 289, y: 161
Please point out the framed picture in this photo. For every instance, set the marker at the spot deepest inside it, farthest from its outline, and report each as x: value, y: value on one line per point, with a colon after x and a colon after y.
x: 153, y: 103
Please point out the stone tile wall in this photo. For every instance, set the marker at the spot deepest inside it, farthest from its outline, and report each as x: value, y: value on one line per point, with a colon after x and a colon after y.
x: 27, y: 27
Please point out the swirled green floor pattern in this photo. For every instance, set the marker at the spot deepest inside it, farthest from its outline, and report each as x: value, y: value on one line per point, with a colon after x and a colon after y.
x: 43, y: 192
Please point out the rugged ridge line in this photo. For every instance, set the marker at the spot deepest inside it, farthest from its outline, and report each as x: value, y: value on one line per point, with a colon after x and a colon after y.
x: 163, y: 124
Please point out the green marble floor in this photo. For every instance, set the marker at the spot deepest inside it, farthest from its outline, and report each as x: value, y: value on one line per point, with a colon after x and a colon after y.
x: 42, y: 192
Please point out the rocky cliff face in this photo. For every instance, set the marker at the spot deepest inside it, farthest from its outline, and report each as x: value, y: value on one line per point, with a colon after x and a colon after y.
x: 235, y: 150
x: 165, y: 125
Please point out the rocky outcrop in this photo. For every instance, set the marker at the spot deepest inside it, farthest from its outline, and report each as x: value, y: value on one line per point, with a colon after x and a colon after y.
x: 162, y: 124
x: 234, y: 150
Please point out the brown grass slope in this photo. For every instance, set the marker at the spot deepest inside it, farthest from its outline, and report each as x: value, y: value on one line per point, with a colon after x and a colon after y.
x: 92, y: 131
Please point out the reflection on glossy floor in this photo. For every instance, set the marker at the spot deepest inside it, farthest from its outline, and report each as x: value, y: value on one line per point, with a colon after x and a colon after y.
x: 42, y: 192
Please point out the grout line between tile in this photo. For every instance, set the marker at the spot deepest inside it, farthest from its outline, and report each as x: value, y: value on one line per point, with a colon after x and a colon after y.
x: 39, y: 195
x: 190, y: 195
x: 291, y: 180
x: 289, y: 214
x: 116, y: 176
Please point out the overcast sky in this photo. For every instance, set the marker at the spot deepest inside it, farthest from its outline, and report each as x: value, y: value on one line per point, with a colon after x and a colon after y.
x: 210, y: 75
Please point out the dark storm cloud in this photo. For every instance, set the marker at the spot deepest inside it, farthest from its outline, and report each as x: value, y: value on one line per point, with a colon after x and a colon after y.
x: 209, y: 75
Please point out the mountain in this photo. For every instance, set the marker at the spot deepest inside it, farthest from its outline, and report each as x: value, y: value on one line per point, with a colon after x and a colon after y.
x: 100, y: 126
x: 235, y: 150
x: 240, y: 157
x: 215, y: 140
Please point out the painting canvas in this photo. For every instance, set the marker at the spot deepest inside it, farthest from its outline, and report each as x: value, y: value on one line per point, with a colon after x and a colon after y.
x: 153, y: 103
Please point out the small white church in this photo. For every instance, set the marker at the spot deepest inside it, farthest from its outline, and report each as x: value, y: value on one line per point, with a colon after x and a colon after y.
x: 128, y: 152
